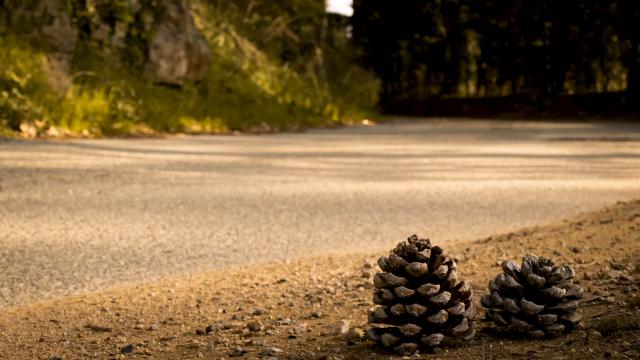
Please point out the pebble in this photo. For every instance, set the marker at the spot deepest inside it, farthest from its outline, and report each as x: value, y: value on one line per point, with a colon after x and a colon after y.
x: 212, y: 328
x: 576, y: 250
x: 238, y: 351
x: 258, y: 311
x: 300, y: 329
x: 355, y: 334
x: 343, y: 326
x: 257, y: 342
x: 595, y: 334
x: 127, y: 349
x: 272, y: 351
x: 367, y: 273
x: 255, y: 325
x: 98, y: 328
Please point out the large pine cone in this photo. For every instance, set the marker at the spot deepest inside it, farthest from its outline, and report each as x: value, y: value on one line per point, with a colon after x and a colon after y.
x: 420, y: 300
x: 537, y: 299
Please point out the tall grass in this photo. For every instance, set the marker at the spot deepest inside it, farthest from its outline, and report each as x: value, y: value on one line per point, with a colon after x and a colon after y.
x: 247, y: 87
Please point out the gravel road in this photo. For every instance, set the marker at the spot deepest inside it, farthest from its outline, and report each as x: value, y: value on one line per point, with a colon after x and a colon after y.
x: 80, y: 215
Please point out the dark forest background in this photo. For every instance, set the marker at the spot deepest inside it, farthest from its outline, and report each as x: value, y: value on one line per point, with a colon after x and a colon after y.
x: 538, y: 54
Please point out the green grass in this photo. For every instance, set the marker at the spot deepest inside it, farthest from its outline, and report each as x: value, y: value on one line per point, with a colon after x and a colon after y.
x: 245, y: 89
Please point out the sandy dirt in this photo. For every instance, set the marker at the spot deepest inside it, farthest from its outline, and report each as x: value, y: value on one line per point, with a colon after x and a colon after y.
x: 84, y: 215
x: 316, y: 308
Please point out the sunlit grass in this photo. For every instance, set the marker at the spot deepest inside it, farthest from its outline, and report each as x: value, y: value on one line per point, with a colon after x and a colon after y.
x: 245, y: 89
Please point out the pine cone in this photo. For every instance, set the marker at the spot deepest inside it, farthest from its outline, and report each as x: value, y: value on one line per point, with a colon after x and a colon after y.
x: 537, y: 299
x: 419, y: 297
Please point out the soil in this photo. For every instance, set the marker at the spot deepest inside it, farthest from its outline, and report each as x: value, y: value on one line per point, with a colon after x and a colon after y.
x: 317, y: 308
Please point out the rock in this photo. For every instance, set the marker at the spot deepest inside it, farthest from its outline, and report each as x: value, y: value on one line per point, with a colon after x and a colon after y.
x: 367, y: 273
x: 258, y: 311
x: 98, y: 328
x: 283, y: 321
x: 177, y: 51
x: 168, y: 40
x: 355, y: 335
x: 238, y: 351
x: 127, y: 349
x: 255, y: 326
x: 299, y: 329
x: 28, y: 130
x: 272, y: 351
x: 57, y: 29
x: 576, y: 249
x: 212, y: 328
x: 316, y: 314
x: 343, y: 326
x: 257, y: 342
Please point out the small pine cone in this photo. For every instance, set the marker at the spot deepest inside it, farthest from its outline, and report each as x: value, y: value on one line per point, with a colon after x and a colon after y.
x: 419, y: 299
x: 537, y: 299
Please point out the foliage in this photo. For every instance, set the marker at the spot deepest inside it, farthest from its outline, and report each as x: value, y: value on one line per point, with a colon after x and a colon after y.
x: 270, y: 71
x: 21, y: 79
x: 465, y: 48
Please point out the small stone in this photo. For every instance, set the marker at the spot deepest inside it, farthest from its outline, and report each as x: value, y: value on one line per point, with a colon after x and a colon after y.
x: 343, y: 326
x: 98, y: 328
x: 200, y: 332
x: 127, y: 349
x: 576, y: 250
x: 255, y: 326
x: 258, y: 311
x: 354, y: 335
x: 272, y: 351
x: 595, y: 334
x: 300, y: 329
x: 153, y: 327
x: 317, y: 314
x: 212, y: 328
x: 257, y: 342
x: 238, y: 351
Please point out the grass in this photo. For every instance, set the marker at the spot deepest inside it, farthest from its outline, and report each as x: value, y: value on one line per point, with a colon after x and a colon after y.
x: 245, y: 89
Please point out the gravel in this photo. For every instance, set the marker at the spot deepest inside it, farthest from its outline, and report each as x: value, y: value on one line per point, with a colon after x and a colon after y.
x: 82, y: 215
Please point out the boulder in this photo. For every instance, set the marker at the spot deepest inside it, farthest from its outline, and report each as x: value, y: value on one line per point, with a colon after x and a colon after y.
x: 172, y: 48
x: 177, y: 50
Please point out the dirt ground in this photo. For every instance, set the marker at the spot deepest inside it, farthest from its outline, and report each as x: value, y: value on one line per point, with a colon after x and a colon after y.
x: 317, y: 309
